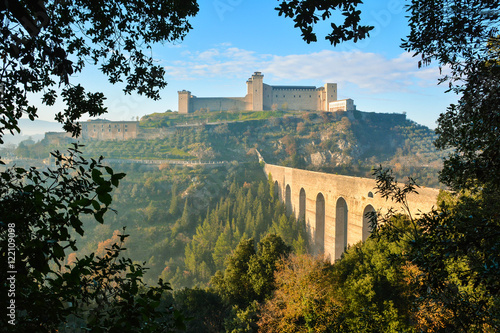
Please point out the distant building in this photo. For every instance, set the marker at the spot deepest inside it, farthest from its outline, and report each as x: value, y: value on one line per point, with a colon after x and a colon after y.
x: 261, y: 96
x: 58, y: 137
x: 342, y: 105
x: 102, y: 129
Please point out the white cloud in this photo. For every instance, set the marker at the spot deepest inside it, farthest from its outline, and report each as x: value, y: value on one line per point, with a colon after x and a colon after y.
x: 372, y: 72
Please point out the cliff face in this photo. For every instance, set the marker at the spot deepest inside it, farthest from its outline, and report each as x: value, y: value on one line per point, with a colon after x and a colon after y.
x: 346, y: 143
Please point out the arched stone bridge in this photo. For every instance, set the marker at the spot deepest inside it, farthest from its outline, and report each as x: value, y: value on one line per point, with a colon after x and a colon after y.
x: 334, y: 206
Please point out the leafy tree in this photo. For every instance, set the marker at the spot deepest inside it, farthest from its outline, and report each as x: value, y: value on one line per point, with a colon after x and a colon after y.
x: 303, y: 13
x: 174, y: 202
x: 454, y: 252
x: 199, y: 259
x: 249, y: 273
x: 470, y: 128
x: 243, y: 320
x: 235, y: 284
x: 457, y: 253
x: 41, y: 211
x: 365, y: 291
x: 370, y: 283
x: 204, y: 308
x: 458, y: 246
x: 262, y: 266
x: 455, y: 33
x: 463, y: 36
x: 223, y: 246
x: 304, y: 300
x: 44, y: 43
x: 100, y: 298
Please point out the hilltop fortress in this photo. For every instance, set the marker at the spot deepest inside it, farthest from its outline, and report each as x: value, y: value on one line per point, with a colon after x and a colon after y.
x: 261, y: 96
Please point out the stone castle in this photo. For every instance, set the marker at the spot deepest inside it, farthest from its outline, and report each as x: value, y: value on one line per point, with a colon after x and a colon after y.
x: 261, y: 96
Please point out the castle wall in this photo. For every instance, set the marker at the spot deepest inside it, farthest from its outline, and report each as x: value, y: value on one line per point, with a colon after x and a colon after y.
x: 267, y: 96
x: 219, y: 103
x: 295, y: 98
x: 109, y: 130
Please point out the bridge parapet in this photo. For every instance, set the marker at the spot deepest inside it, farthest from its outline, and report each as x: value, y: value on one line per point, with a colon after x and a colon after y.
x: 334, y: 206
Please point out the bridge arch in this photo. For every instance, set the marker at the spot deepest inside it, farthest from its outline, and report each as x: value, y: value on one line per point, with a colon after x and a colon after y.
x: 276, y: 189
x: 319, y: 237
x: 302, y: 204
x: 341, y: 226
x: 366, y: 221
x: 288, y: 199
x: 330, y: 230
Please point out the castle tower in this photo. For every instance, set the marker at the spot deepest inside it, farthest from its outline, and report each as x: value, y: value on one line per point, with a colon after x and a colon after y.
x: 184, y: 98
x: 249, y: 87
x: 330, y: 94
x: 257, y: 86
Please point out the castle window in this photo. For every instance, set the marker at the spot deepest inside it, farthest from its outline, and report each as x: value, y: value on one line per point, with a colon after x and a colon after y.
x: 125, y: 130
x: 109, y: 130
x: 118, y: 130
x: 276, y: 96
x: 283, y: 95
x: 299, y: 96
x: 309, y: 96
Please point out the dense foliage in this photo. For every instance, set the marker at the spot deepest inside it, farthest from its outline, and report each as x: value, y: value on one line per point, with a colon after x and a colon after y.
x: 305, y: 17
x: 41, y: 211
x: 471, y: 49
x: 45, y: 42
x: 458, y: 249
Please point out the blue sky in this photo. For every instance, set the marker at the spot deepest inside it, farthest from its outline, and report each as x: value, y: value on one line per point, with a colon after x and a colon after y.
x: 233, y: 38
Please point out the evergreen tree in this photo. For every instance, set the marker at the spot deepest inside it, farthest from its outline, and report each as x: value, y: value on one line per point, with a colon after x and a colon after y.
x: 223, y: 247
x: 174, y: 202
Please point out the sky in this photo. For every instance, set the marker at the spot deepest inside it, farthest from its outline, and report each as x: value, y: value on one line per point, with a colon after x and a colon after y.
x: 231, y: 39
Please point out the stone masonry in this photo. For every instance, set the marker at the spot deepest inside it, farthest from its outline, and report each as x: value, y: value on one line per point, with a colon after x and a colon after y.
x: 334, y: 206
x: 261, y: 96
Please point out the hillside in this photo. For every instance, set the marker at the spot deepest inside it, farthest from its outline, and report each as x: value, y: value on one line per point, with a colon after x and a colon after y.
x: 344, y: 143
x: 184, y: 220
